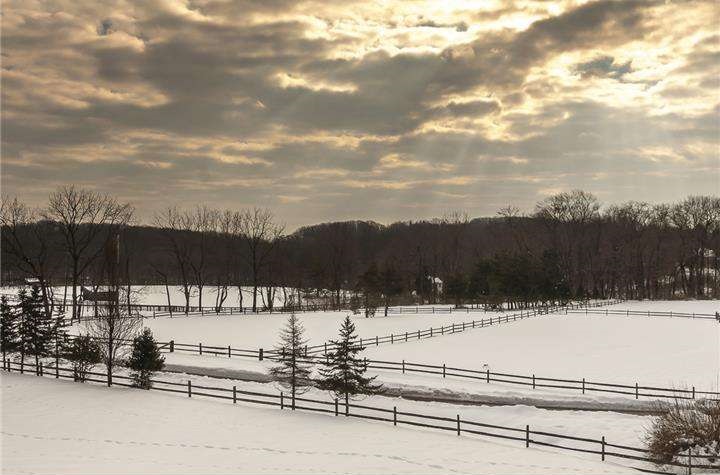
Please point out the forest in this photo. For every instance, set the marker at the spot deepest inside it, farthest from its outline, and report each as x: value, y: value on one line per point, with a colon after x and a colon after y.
x: 570, y: 246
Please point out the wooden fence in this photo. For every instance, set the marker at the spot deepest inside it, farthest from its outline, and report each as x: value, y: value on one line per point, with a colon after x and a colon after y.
x: 647, y: 313
x: 457, y: 425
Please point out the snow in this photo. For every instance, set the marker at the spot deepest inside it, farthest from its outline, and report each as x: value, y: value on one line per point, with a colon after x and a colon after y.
x: 428, y: 387
x: 668, y: 352
x: 93, y: 429
x: 684, y: 306
x: 261, y: 331
x: 661, y: 351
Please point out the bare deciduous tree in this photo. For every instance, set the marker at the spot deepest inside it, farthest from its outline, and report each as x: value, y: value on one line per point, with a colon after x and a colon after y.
x: 261, y: 234
x: 87, y: 219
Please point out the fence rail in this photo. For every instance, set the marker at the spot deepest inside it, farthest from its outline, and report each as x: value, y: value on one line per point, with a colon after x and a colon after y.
x: 647, y: 313
x: 337, y: 408
x: 462, y: 326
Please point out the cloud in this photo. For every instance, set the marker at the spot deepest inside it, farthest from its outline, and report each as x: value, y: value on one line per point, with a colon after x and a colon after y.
x: 368, y: 108
x: 603, y: 66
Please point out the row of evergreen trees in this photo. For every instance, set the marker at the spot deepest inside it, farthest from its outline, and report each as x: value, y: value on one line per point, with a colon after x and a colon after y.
x: 342, y: 373
x: 520, y: 279
x: 27, y: 329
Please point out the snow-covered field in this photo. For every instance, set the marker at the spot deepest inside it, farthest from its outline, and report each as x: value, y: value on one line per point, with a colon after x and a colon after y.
x: 669, y: 352
x: 92, y: 429
x: 255, y: 331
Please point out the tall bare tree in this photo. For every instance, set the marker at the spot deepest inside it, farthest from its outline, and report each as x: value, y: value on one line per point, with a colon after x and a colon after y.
x: 87, y: 219
x: 175, y: 230
x: 261, y: 234
x: 115, y: 325
x: 28, y: 240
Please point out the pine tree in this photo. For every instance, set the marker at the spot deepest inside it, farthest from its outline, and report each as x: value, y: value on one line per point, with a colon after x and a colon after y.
x: 9, y: 328
x: 145, y: 359
x: 36, y: 326
x: 343, y: 372
x: 293, y: 369
x: 84, y: 353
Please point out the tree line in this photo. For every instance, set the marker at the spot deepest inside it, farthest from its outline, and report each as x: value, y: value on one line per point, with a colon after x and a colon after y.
x: 569, y: 247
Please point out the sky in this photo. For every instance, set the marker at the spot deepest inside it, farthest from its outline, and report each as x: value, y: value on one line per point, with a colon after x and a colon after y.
x: 382, y: 110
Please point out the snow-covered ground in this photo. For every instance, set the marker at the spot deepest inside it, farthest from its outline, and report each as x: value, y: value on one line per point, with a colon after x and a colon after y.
x: 256, y: 331
x: 92, y: 429
x: 667, y: 352
x: 685, y: 306
x: 675, y: 353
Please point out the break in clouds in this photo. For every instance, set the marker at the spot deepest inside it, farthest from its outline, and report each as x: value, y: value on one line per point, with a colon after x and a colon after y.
x: 323, y: 111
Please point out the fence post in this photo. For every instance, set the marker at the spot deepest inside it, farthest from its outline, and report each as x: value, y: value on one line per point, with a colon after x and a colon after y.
x: 189, y: 388
x: 443, y: 370
x: 229, y: 354
x: 377, y: 342
x: 394, y: 415
x: 282, y: 401
x: 260, y: 354
x: 637, y: 393
x: 336, y: 407
x: 392, y: 338
x: 487, y: 375
x: 418, y: 334
x: 583, y: 385
x: 200, y: 347
x: 172, y: 346
x: 403, y: 367
x: 431, y: 332
x: 57, y: 361
x: 689, y: 462
x: 527, y: 435
x: 458, y: 424
x: 533, y: 381
x: 234, y: 395
x: 406, y: 335
x: 602, y: 449
x: 693, y: 392
x: 347, y: 405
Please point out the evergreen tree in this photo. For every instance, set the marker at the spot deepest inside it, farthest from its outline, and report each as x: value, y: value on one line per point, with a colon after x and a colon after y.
x: 84, y: 353
x: 293, y: 369
x: 36, y: 326
x: 343, y: 372
x: 9, y: 328
x: 145, y: 359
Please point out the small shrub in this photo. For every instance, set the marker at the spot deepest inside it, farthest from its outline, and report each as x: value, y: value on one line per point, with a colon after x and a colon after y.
x: 145, y: 359
x: 84, y: 354
x: 687, y: 426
